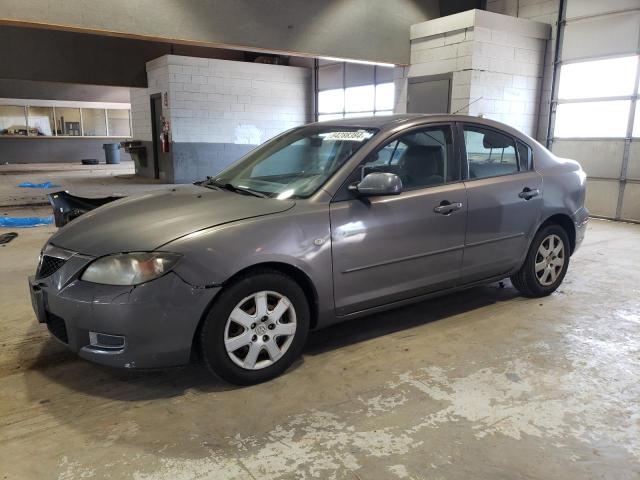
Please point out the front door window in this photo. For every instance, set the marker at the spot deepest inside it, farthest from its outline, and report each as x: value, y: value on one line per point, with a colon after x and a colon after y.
x: 422, y: 158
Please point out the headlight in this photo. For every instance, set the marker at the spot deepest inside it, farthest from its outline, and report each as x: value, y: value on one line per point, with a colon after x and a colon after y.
x: 130, y: 268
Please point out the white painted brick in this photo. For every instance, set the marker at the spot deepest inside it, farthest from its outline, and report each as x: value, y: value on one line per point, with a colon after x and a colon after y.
x: 468, y: 34
x: 419, y: 56
x: 182, y: 78
x: 500, y: 65
x: 464, y: 63
x: 215, y: 80
x: 500, y: 37
x: 528, y: 56
x: 438, y: 53
x: 516, y: 94
x: 481, y: 34
x: 454, y: 37
x: 462, y: 78
x: 237, y: 82
x: 502, y: 106
x: 460, y: 91
x: 517, y: 107
x: 538, y: 9
x: 528, y: 43
x: 530, y: 108
x: 520, y: 81
x: 431, y: 68
x: 527, y: 69
x: 484, y: 106
x: 490, y: 92
x: 459, y: 105
x: 190, y: 87
x: 480, y: 62
x: 182, y: 96
x: 493, y: 50
x: 465, y: 49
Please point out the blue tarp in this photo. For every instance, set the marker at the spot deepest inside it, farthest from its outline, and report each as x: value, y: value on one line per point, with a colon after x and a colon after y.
x: 24, y: 222
x: 38, y: 185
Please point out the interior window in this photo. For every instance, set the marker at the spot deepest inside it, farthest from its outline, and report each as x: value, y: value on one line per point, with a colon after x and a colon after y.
x: 422, y: 158
x: 524, y: 156
x: 489, y: 153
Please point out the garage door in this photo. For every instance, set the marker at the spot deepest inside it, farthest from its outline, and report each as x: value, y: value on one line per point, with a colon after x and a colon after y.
x: 595, y: 119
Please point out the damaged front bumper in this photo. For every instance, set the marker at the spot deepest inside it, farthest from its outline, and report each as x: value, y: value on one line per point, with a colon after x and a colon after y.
x: 67, y: 207
x: 145, y: 326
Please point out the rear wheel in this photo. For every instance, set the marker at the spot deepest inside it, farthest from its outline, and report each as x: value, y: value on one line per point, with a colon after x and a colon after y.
x: 256, y: 328
x: 546, y: 263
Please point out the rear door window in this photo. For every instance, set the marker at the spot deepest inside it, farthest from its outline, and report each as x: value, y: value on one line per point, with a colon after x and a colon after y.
x: 489, y: 152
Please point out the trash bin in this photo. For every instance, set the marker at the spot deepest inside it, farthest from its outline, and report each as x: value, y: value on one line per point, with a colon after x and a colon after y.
x: 112, y: 152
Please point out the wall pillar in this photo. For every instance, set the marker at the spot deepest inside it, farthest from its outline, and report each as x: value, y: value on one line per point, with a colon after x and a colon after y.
x: 496, y: 63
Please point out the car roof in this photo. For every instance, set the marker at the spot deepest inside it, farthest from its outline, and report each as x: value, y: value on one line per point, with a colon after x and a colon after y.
x: 384, y: 122
x: 380, y: 121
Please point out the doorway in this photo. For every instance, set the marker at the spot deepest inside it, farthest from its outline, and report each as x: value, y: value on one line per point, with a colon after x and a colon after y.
x: 430, y: 94
x: 156, y: 122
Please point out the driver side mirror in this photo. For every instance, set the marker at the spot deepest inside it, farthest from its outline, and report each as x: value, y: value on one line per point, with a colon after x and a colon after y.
x: 377, y: 184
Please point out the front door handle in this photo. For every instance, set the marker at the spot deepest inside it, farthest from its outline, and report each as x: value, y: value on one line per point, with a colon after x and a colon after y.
x: 528, y: 193
x: 447, y: 208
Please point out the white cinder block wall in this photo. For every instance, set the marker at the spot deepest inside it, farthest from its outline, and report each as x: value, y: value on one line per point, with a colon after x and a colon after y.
x: 140, y: 114
x: 496, y: 62
x: 224, y: 101
x: 545, y: 11
x: 220, y: 109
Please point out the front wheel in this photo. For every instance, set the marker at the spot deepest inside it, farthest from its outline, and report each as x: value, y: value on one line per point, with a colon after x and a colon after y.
x: 256, y: 328
x: 546, y: 263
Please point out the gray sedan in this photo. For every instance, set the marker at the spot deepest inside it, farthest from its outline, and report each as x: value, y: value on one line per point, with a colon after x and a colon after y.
x: 324, y: 223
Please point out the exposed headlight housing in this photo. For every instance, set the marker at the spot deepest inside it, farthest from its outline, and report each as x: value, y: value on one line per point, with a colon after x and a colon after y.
x: 130, y: 268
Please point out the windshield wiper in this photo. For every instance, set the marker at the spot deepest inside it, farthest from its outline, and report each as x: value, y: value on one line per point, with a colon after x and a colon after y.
x: 233, y: 188
x: 206, y: 183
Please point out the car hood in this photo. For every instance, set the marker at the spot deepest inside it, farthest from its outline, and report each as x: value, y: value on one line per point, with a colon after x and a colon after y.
x: 148, y: 221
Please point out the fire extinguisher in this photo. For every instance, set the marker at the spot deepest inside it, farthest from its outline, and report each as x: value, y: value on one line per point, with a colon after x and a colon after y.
x: 164, y: 135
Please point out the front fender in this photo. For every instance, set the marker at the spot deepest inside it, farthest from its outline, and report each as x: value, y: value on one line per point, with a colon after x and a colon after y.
x: 299, y: 237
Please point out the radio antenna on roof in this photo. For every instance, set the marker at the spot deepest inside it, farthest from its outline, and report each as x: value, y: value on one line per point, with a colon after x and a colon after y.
x: 467, y: 105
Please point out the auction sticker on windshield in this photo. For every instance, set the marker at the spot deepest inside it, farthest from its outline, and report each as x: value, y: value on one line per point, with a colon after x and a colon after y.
x: 357, y: 136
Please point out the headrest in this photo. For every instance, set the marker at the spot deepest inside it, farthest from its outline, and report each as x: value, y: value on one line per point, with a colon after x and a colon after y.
x: 496, y: 140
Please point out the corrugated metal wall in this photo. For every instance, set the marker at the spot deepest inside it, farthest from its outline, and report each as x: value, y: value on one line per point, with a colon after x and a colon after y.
x: 595, y: 30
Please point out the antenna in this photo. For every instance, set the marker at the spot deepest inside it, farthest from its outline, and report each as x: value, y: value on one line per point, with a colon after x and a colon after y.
x: 468, y: 105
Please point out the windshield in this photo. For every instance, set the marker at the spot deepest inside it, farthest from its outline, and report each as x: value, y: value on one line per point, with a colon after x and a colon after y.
x: 295, y: 164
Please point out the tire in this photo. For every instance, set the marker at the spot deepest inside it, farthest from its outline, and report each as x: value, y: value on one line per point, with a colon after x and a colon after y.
x: 243, y: 345
x: 540, y: 283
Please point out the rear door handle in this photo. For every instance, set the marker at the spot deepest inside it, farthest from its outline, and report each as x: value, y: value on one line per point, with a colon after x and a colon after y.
x: 447, y: 208
x: 528, y: 193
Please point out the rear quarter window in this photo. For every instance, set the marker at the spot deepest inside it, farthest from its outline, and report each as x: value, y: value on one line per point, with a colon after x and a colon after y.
x: 525, y: 156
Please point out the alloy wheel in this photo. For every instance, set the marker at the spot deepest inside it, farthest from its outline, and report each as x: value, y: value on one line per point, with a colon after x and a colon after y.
x: 550, y: 259
x: 260, y: 329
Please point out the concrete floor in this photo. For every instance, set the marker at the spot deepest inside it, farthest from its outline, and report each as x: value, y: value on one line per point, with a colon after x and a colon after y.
x: 83, y: 180
x: 482, y: 384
